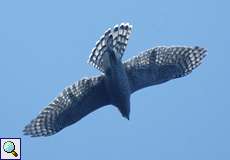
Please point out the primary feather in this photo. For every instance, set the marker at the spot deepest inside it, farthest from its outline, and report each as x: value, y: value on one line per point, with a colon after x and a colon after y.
x: 160, y: 64
x: 75, y: 102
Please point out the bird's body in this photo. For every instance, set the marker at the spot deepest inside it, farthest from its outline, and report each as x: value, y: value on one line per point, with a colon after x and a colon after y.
x: 117, y: 86
x: 117, y: 81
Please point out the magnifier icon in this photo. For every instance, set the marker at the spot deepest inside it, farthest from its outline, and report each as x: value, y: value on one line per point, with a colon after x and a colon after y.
x: 9, y: 147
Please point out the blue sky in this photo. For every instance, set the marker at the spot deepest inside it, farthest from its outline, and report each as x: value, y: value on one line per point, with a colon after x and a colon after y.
x: 44, y: 46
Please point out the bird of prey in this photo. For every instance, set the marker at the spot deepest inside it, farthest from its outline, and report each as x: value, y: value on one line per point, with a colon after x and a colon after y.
x: 117, y: 81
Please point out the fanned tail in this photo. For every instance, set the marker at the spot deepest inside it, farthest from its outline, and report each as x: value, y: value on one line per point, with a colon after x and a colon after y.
x: 115, y: 39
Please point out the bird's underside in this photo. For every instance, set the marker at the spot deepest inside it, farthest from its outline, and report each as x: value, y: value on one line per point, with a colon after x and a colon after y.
x: 117, y: 81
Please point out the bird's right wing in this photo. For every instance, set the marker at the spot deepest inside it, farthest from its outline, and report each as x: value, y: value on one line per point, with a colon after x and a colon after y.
x: 160, y: 64
x: 75, y: 102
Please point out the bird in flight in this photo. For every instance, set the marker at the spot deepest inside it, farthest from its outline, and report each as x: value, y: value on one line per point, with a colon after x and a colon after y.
x: 117, y: 81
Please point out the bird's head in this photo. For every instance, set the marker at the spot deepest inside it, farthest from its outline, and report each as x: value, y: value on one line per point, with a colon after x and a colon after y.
x: 125, y: 114
x: 124, y: 110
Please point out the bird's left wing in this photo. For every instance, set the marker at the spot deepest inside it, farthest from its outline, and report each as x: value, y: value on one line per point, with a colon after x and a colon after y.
x: 160, y: 64
x: 75, y: 102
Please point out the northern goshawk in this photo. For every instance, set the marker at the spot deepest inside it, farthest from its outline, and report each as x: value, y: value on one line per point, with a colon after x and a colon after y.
x: 117, y: 81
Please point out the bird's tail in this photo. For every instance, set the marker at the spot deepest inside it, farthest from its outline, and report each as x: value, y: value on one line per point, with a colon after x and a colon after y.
x: 119, y: 36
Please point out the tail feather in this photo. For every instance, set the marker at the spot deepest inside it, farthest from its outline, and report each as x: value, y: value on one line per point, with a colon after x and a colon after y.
x: 115, y: 39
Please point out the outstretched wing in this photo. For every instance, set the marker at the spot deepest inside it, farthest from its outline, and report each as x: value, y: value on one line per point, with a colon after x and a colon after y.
x: 75, y: 102
x: 119, y: 36
x: 160, y: 64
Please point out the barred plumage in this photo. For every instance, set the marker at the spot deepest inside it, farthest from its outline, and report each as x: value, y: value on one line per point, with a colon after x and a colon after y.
x: 188, y: 57
x: 160, y: 64
x: 71, y: 105
x: 119, y: 80
x: 120, y: 36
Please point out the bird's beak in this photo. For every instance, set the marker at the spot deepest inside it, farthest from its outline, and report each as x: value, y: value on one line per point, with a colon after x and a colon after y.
x: 127, y: 117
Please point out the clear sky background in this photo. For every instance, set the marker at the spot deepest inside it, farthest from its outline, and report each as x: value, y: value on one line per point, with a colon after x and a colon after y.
x: 44, y: 46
